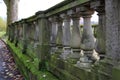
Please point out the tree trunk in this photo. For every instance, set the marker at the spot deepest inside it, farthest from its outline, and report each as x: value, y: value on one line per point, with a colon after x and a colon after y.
x: 12, y: 11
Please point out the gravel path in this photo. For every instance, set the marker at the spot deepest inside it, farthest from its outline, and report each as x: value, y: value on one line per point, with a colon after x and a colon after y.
x: 8, y: 69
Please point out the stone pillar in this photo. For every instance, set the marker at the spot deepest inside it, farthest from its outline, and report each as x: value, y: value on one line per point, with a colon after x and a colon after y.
x: 87, y: 41
x: 53, y: 34
x: 100, y: 32
x: 44, y: 40
x: 113, y: 30
x: 113, y: 37
x: 59, y: 37
x: 66, y: 36
x: 75, y: 38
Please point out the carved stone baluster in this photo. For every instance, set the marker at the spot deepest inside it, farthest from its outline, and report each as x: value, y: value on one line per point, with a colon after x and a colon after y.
x: 36, y: 35
x: 99, y: 6
x: 100, y: 41
x: 59, y: 39
x: 53, y: 34
x: 75, y: 38
x: 66, y: 36
x: 87, y: 41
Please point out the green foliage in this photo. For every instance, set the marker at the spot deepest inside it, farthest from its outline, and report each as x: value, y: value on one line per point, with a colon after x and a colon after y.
x: 2, y: 27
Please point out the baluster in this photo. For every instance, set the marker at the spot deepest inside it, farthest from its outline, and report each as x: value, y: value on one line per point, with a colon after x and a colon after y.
x: 75, y: 38
x: 100, y: 40
x: 59, y: 39
x: 36, y: 35
x: 66, y: 36
x: 53, y: 35
x: 87, y: 41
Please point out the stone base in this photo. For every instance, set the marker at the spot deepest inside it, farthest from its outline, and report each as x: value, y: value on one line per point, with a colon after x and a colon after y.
x: 74, y: 56
x: 67, y: 71
x: 66, y: 52
x: 84, y: 62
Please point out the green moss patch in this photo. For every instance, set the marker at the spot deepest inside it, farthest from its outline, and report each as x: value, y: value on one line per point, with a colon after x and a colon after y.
x: 29, y: 67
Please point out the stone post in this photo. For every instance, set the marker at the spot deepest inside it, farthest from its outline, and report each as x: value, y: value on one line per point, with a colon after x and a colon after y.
x: 66, y: 36
x: 113, y: 30
x: 109, y: 67
x: 44, y: 40
x: 75, y: 38
x: 87, y: 41
x: 59, y: 37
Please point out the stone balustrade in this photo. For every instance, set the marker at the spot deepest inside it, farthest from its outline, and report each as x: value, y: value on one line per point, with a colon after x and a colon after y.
x: 55, y: 35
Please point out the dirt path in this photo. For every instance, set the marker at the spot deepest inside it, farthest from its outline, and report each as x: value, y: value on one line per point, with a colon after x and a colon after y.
x: 8, y: 69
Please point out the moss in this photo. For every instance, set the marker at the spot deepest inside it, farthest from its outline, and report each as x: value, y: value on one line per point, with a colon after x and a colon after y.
x: 116, y: 73
x: 29, y: 67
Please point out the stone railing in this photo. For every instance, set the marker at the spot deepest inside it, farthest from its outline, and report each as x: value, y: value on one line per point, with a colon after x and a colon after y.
x: 55, y: 36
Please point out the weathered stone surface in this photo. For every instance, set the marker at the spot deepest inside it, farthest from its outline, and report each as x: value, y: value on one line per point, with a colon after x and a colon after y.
x: 113, y: 29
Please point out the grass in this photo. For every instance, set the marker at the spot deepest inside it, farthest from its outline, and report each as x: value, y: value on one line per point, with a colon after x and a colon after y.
x: 2, y: 33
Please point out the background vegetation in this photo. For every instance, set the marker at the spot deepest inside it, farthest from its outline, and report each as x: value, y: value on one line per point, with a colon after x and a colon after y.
x: 2, y: 27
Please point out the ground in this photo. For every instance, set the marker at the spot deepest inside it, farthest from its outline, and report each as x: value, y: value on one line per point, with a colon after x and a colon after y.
x: 8, y: 69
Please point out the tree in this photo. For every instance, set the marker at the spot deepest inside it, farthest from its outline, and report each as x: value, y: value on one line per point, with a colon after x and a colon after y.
x: 12, y: 11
